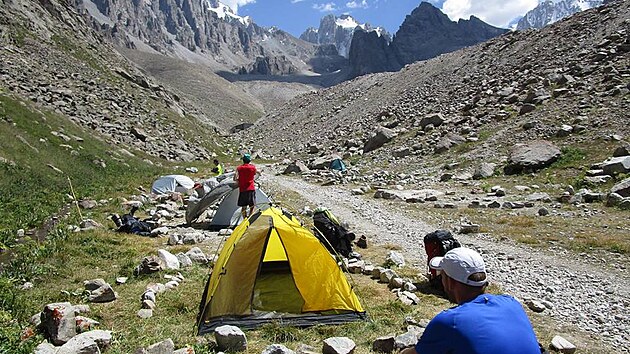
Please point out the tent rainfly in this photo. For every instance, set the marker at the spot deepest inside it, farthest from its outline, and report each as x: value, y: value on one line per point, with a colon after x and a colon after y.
x: 272, y: 269
x: 172, y: 183
x: 228, y: 214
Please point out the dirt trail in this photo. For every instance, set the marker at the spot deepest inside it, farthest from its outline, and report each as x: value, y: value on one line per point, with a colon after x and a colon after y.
x: 581, y: 290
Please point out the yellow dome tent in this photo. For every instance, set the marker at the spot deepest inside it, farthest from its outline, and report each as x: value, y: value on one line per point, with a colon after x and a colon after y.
x: 273, y: 269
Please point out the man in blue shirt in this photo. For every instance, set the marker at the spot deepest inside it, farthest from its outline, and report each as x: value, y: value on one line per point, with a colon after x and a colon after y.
x: 480, y: 323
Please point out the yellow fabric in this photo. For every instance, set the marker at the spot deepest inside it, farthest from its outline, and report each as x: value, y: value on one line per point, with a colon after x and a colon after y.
x: 275, y: 250
x: 313, y: 272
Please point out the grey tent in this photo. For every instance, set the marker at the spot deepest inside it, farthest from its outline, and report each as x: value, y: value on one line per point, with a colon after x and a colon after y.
x: 196, y: 207
x: 228, y: 213
x: 172, y: 183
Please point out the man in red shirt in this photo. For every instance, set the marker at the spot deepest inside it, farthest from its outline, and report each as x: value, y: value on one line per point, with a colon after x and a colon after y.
x: 245, y: 175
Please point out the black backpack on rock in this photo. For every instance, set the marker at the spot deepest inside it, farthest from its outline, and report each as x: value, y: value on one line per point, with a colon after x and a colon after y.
x: 436, y: 244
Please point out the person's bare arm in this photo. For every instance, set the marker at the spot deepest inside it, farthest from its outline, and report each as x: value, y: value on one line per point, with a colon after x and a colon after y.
x: 235, y: 178
x: 411, y: 350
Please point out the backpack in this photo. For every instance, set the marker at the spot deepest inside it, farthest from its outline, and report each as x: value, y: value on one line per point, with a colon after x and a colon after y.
x: 131, y: 225
x: 330, y: 232
x: 436, y: 244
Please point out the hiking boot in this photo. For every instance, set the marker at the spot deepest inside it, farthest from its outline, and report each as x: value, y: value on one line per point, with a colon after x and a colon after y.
x: 116, y: 220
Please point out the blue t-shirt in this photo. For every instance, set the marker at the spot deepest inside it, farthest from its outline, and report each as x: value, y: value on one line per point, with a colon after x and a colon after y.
x: 489, y: 324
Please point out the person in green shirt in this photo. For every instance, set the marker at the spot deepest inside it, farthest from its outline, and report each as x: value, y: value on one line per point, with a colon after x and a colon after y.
x: 218, y: 168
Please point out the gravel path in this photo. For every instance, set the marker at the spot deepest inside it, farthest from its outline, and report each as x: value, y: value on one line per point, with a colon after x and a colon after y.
x: 577, y: 290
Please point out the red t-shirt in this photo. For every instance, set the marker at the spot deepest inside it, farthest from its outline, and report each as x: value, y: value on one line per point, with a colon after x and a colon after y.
x: 246, y: 173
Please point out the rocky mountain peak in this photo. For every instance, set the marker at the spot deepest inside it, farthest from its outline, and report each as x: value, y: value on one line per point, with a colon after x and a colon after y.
x: 338, y: 31
x: 550, y: 11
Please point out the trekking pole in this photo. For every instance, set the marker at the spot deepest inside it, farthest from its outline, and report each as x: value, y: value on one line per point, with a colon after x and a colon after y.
x: 76, y: 202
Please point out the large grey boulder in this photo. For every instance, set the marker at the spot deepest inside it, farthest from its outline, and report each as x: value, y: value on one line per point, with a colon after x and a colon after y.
x: 92, y: 342
x: 184, y: 260
x: 622, y: 188
x: 383, y: 135
x: 100, y: 290
x: 164, y: 347
x: 531, y: 157
x: 338, y: 345
x: 197, y: 256
x: 395, y: 258
x: 230, y: 338
x: 447, y: 142
x: 58, y: 322
x: 616, y: 165
x: 484, y: 170
x: 45, y: 348
x: 435, y: 119
x: 295, y: 167
x: 169, y: 259
x: 322, y: 162
x: 406, y: 340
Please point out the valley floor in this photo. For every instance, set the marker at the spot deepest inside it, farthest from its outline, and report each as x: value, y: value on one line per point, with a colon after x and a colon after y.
x: 587, y: 295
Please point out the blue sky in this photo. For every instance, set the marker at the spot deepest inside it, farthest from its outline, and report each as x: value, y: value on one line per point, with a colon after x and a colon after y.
x: 294, y: 16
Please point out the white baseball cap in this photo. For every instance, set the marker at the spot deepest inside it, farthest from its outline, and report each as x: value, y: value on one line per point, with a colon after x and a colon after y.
x: 459, y: 263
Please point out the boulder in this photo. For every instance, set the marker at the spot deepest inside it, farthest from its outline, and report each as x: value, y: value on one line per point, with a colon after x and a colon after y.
x: 395, y: 258
x: 184, y: 260
x: 295, y: 167
x: 92, y: 342
x: 45, y: 348
x: 562, y: 345
x: 616, y: 165
x: 170, y: 260
x: 383, y: 135
x: 338, y: 345
x: 197, y: 256
x: 145, y: 313
x: 622, y: 188
x: 623, y: 150
x: 447, y: 142
x: 164, y: 347
x: 100, y: 291
x: 230, y: 338
x: 406, y: 340
x: 383, y: 344
x: 85, y: 324
x: 277, y: 349
x: 531, y: 157
x: 435, y: 119
x: 386, y: 276
x: 58, y: 322
x: 149, y: 265
x: 484, y: 170
x: 187, y: 350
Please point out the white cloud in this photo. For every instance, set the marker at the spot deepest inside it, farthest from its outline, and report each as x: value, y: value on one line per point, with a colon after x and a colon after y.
x: 296, y: 1
x: 325, y: 7
x: 234, y: 4
x: 495, y: 12
x: 355, y: 5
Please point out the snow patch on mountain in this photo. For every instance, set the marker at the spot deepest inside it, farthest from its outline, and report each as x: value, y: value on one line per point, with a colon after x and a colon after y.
x: 550, y: 11
x: 224, y: 12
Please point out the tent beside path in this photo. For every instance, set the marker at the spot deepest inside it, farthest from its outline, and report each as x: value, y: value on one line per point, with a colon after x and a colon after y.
x: 272, y: 269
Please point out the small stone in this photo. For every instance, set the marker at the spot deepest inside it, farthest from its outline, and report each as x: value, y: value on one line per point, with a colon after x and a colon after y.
x: 277, y: 349
x: 562, y: 345
x: 383, y: 344
x: 230, y: 338
x: 145, y: 313
x: 535, y: 306
x: 338, y: 345
x: 121, y: 280
x: 543, y: 211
